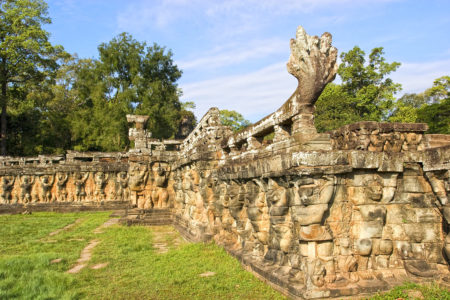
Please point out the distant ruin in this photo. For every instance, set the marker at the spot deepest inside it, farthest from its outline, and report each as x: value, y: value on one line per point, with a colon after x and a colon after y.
x: 350, y: 212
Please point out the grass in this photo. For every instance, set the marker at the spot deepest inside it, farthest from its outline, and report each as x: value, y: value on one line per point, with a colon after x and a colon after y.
x: 411, y: 290
x: 135, y: 269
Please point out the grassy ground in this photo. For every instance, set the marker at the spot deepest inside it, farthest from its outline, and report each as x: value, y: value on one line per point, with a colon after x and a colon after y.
x: 414, y: 291
x: 135, y: 271
x: 143, y: 263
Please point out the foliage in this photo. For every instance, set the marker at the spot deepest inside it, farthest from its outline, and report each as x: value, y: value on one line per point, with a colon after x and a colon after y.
x: 432, y: 107
x: 233, y: 119
x: 27, y: 59
x: 437, y: 116
x: 129, y: 77
x: 368, y: 84
x: 366, y: 93
x: 405, y: 108
x: 334, y: 108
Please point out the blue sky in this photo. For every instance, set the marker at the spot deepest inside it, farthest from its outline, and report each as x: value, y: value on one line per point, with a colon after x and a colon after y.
x: 233, y: 53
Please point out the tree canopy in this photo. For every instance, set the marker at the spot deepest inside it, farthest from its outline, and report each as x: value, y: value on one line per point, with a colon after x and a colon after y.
x: 27, y: 58
x: 129, y: 77
x: 366, y: 92
x: 52, y: 101
x: 431, y: 106
x: 233, y: 119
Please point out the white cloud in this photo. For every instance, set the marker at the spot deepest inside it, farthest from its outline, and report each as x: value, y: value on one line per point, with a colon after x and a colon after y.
x: 417, y: 77
x: 233, y: 54
x: 261, y: 92
x: 140, y: 15
x: 253, y: 94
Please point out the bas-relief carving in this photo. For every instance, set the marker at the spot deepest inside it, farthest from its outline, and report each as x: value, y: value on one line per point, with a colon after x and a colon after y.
x: 26, y: 185
x: 440, y: 184
x: 79, y: 180
x: 7, y: 186
x: 160, y: 195
x: 100, y: 181
x: 309, y: 232
x: 355, y: 222
x: 61, y: 190
x: 122, y: 189
x: 46, y: 187
x: 137, y: 181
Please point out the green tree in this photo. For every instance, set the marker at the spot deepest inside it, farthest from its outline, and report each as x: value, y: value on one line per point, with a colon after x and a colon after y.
x: 128, y: 77
x: 233, y: 119
x: 437, y: 116
x: 439, y: 91
x: 430, y: 107
x: 405, y: 108
x: 368, y: 83
x: 436, y: 111
x: 27, y: 58
x: 366, y: 92
x: 335, y: 108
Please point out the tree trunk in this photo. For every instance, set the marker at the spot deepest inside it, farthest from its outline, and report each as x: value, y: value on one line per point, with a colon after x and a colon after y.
x: 3, y: 120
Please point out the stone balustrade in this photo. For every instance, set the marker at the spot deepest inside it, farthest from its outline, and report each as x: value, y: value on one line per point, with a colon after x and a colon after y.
x: 347, y: 213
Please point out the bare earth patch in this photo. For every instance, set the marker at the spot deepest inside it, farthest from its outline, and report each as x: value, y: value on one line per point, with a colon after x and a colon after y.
x: 108, y: 223
x: 207, y: 274
x: 65, y: 227
x: 99, y: 266
x: 164, y: 238
x: 86, y: 253
x: 55, y: 261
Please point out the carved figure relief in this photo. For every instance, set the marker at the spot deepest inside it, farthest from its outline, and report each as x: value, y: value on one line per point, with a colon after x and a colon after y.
x: 46, y: 187
x: 61, y: 191
x: 309, y: 202
x: 79, y: 182
x: 138, y: 178
x: 100, y: 181
x: 123, y: 192
x: 160, y: 196
x: 26, y: 184
x: 7, y: 186
x: 258, y: 214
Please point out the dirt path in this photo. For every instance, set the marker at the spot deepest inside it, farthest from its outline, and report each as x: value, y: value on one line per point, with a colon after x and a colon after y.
x: 67, y: 227
x: 86, y: 253
x: 165, y: 237
x: 108, y: 223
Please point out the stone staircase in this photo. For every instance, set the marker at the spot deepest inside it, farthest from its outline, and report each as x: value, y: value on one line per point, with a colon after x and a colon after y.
x: 151, y: 217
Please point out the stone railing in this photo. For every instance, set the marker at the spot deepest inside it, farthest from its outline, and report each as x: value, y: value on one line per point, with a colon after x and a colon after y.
x: 313, y: 63
x: 348, y: 213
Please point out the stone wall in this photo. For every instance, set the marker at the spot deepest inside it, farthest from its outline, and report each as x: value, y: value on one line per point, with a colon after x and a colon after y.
x: 80, y: 180
x: 337, y: 214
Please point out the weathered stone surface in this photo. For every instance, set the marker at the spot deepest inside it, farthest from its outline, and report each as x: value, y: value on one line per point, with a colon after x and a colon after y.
x: 347, y: 213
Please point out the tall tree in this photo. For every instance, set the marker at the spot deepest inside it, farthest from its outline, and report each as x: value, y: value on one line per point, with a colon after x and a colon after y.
x: 368, y: 83
x: 26, y: 55
x: 128, y: 77
x: 366, y: 92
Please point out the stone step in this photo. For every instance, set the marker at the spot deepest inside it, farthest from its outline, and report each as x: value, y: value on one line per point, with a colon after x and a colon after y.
x: 130, y: 222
